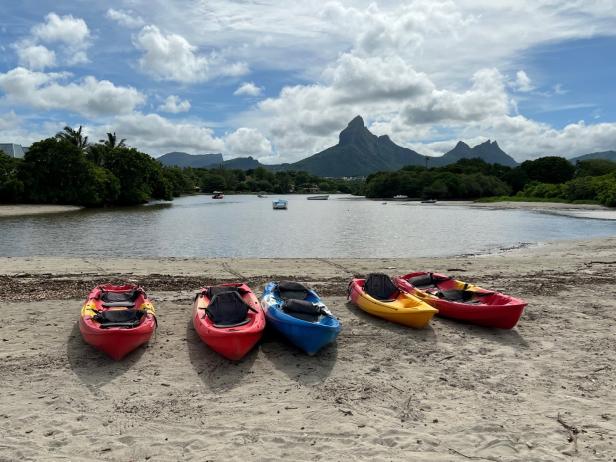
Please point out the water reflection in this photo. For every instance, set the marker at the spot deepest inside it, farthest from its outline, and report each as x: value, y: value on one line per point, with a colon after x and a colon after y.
x: 246, y: 226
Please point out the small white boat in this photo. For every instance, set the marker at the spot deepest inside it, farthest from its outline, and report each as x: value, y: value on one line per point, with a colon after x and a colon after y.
x: 323, y: 197
x: 218, y: 195
x: 279, y: 204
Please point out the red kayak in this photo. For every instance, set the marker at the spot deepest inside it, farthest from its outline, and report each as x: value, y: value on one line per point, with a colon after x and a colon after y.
x: 117, y: 319
x: 229, y: 319
x: 463, y: 301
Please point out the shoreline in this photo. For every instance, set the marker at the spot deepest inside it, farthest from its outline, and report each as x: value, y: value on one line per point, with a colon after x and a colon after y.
x: 381, y: 392
x: 20, y: 210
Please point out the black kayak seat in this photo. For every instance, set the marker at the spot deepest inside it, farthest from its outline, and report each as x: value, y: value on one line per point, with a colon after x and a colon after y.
x: 462, y: 296
x: 227, y: 309
x: 381, y: 287
x: 302, y: 309
x: 119, y: 305
x: 292, y: 290
x: 116, y: 297
x: 215, y: 290
x: 425, y: 281
x: 119, y: 318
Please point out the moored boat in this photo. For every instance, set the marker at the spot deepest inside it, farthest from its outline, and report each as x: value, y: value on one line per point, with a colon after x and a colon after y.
x: 117, y: 319
x: 279, y: 204
x: 228, y: 319
x: 379, y: 296
x: 323, y: 197
x: 218, y: 195
x: 299, y: 315
x: 463, y: 301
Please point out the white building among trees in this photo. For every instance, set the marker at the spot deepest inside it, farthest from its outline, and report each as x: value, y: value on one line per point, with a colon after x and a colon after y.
x: 13, y: 150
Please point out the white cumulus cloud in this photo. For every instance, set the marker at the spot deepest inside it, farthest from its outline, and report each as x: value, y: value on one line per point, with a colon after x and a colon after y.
x: 68, y: 30
x: 248, y: 89
x: 522, y: 82
x: 125, y: 18
x: 87, y: 96
x: 36, y: 57
x: 69, y: 36
x: 245, y: 142
x: 174, y: 104
x: 157, y: 135
x: 172, y: 57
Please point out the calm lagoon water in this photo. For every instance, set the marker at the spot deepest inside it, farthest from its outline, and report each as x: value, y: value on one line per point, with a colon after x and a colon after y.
x: 246, y: 226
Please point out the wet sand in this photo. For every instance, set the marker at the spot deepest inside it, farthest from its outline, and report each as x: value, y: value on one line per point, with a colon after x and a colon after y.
x: 19, y: 210
x: 543, y: 391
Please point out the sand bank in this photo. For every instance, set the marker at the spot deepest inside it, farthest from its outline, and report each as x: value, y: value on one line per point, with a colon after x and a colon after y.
x: 34, y: 209
x: 544, y: 391
x: 593, y: 211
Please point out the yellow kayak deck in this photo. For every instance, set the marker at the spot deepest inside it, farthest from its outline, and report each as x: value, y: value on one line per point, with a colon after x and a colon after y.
x: 404, y: 309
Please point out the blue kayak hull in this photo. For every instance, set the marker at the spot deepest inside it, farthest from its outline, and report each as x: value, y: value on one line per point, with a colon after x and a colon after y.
x: 308, y: 336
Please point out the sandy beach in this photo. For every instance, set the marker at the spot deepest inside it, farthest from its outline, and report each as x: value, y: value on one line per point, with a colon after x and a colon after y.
x: 542, y: 392
x: 19, y: 210
x: 593, y: 211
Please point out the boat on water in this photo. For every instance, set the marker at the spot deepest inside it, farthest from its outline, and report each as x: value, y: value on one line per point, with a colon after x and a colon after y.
x: 116, y: 319
x: 218, y: 195
x: 429, y: 201
x: 379, y: 296
x: 279, y: 204
x: 463, y: 301
x: 298, y: 314
x: 228, y: 319
x: 262, y: 196
x: 322, y: 197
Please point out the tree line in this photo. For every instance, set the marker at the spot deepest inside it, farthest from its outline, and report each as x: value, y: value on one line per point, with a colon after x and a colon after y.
x: 67, y: 169
x: 551, y: 177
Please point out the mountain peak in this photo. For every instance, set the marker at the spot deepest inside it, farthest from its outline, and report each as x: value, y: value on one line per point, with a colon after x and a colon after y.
x: 354, y: 132
x: 357, y: 122
x: 462, y: 145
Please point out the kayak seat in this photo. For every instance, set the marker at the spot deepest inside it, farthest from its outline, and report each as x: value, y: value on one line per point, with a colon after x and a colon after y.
x: 227, y: 309
x: 381, y: 287
x: 215, y: 290
x: 463, y: 296
x: 302, y: 309
x: 119, y: 305
x: 119, y: 318
x: 120, y: 299
x: 425, y: 281
x: 292, y: 290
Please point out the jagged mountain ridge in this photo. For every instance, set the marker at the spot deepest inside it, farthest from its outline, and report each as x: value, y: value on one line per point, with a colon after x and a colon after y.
x: 359, y: 153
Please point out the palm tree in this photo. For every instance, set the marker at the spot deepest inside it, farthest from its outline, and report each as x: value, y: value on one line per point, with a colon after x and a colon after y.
x: 73, y: 136
x: 111, y: 141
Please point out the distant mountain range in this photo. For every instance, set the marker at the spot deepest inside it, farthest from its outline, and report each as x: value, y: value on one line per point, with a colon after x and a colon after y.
x: 607, y: 155
x: 360, y: 153
x: 489, y: 151
x: 183, y: 159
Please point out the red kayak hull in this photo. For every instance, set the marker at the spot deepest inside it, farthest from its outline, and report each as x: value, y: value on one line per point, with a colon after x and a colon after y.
x: 498, y: 310
x: 230, y: 342
x: 116, y: 342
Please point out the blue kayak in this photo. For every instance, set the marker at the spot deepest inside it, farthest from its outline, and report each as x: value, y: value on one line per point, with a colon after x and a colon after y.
x: 298, y: 313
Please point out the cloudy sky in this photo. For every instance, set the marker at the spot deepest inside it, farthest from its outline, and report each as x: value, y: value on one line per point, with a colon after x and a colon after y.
x: 279, y: 83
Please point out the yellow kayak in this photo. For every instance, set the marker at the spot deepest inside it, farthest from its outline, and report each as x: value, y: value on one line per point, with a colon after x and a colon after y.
x: 378, y: 296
